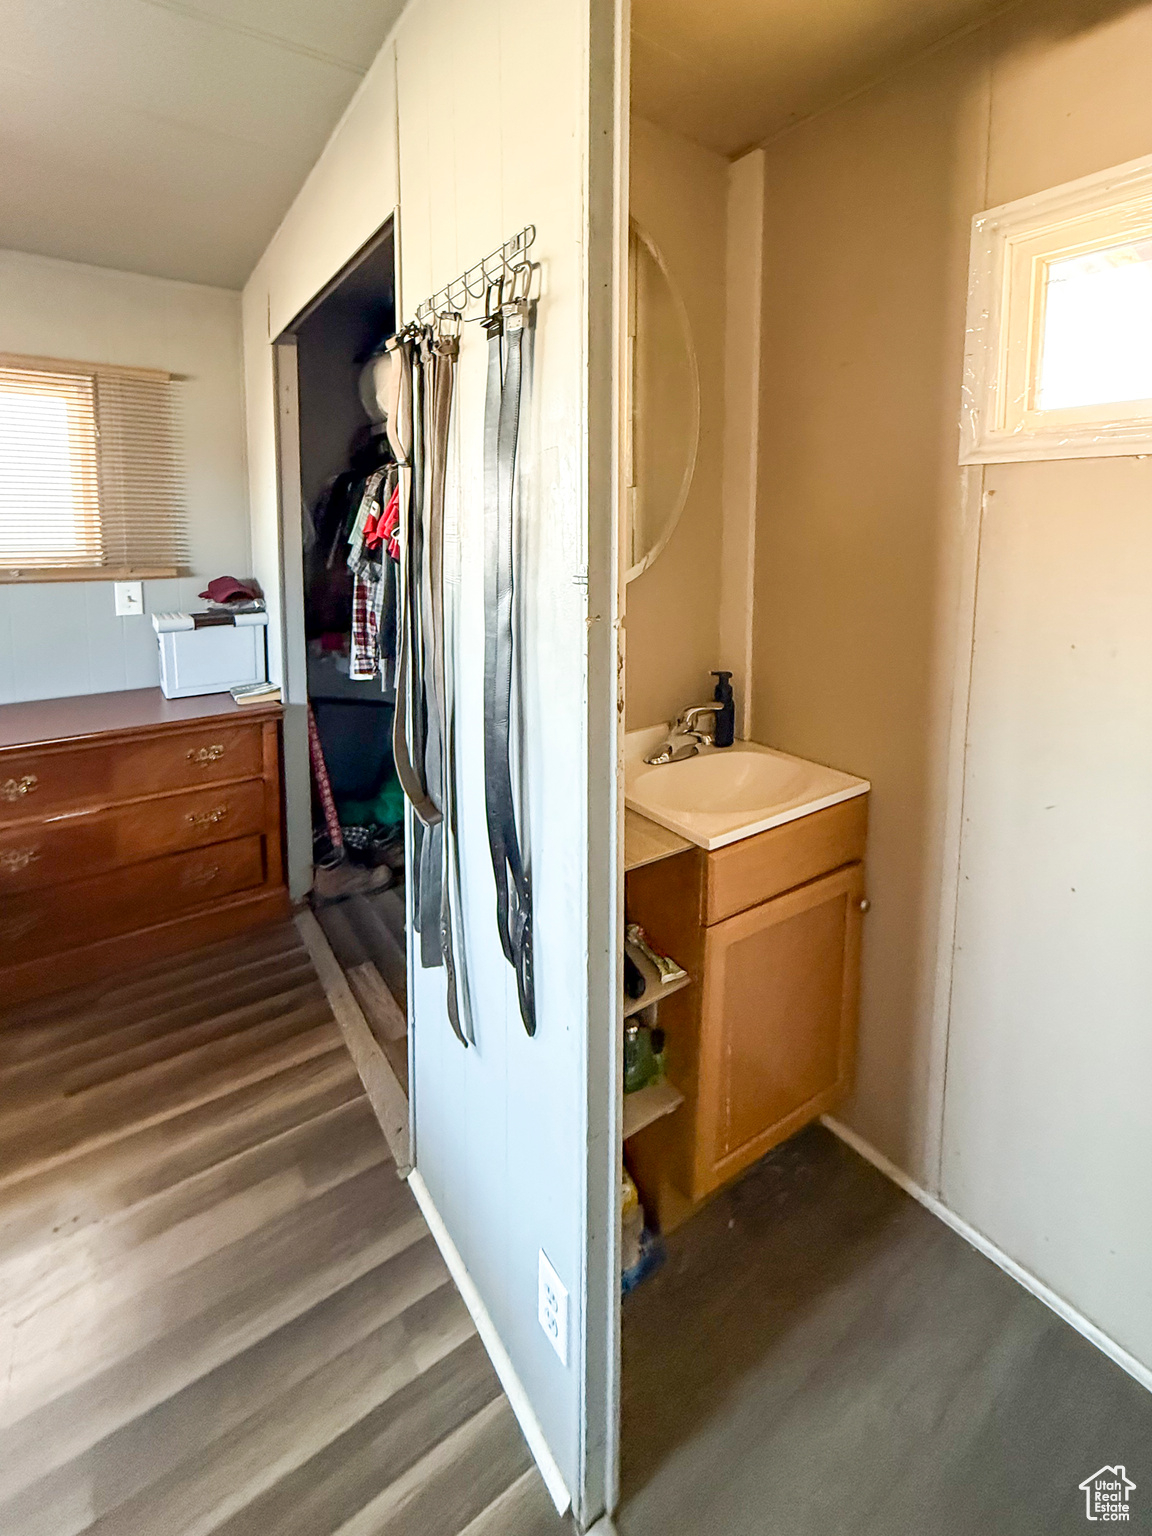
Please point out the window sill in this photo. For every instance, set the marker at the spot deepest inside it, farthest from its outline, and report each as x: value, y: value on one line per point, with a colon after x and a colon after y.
x: 47, y: 574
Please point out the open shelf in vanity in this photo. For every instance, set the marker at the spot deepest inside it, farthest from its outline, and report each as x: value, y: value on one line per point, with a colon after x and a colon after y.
x: 646, y: 843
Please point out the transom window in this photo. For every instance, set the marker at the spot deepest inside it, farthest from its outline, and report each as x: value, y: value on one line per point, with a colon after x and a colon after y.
x: 1095, y: 341
x: 1058, y: 362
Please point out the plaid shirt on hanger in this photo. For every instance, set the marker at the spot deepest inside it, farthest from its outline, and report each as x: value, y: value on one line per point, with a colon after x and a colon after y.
x: 367, y: 605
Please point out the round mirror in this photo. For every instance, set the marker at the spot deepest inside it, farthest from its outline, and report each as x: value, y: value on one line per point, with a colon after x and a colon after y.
x: 662, y: 408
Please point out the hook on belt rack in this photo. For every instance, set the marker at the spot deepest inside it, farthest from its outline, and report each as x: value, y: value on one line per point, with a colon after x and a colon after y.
x: 474, y: 283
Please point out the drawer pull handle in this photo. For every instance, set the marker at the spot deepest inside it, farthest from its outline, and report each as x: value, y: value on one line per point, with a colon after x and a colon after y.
x: 15, y: 789
x: 204, y: 755
x: 206, y: 818
x: 201, y: 876
x: 13, y: 860
x: 865, y: 904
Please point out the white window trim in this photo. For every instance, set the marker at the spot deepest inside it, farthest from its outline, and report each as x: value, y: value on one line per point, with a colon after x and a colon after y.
x: 994, y: 430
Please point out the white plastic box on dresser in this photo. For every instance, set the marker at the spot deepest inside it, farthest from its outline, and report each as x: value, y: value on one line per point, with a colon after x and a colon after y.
x: 210, y: 653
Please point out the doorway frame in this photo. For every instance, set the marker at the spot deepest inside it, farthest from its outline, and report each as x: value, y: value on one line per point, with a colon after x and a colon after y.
x: 290, y: 528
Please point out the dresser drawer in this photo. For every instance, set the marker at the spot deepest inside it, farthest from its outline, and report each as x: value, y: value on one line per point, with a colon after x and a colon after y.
x: 744, y: 874
x: 70, y: 847
x: 49, y: 782
x: 36, y: 923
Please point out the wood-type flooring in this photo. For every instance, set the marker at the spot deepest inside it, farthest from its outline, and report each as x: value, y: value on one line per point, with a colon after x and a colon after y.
x: 221, y: 1311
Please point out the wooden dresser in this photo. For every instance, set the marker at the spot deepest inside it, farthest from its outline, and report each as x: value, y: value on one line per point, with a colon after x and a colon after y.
x: 132, y: 826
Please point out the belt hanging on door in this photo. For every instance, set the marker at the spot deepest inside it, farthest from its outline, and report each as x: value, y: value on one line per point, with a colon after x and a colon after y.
x: 506, y: 323
x: 442, y: 349
x: 420, y: 399
x: 409, y: 724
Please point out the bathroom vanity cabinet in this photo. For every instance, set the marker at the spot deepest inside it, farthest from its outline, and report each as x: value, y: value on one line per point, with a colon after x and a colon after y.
x: 763, y: 1040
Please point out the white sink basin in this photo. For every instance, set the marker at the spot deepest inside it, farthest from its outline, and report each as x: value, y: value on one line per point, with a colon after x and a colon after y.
x: 726, y: 793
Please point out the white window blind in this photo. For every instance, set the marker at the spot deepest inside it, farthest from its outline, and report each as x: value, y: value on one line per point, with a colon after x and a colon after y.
x: 91, y: 474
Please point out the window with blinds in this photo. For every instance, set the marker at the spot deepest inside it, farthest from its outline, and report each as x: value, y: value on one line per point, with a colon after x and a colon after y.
x: 91, y: 473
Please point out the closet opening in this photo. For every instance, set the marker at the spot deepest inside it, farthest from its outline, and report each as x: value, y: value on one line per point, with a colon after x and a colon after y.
x: 348, y: 489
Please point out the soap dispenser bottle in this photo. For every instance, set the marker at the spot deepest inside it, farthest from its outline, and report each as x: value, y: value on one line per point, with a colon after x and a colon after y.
x: 726, y: 715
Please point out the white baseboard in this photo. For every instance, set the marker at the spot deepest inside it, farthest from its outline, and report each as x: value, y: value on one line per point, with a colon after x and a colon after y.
x: 498, y: 1355
x: 1063, y: 1309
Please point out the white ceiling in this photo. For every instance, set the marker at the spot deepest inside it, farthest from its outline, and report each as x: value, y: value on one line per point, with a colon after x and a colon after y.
x: 170, y: 136
x: 732, y: 73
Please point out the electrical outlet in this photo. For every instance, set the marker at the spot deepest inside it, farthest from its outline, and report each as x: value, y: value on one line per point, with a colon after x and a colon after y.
x: 129, y: 598
x: 553, y: 1308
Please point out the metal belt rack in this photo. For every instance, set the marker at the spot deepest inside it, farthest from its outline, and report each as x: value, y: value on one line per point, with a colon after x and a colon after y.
x: 474, y: 283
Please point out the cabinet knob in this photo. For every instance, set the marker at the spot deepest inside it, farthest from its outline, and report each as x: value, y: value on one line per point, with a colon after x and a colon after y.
x: 865, y: 904
x: 16, y: 789
x: 13, y: 860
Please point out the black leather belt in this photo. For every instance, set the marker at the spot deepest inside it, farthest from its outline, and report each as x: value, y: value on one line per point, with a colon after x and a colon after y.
x: 506, y: 325
x: 442, y: 351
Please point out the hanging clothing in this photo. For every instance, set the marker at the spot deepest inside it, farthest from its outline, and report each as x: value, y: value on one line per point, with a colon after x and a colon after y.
x: 383, y: 529
x: 368, y: 592
x: 374, y: 607
x: 367, y: 515
x: 337, y: 507
x: 390, y: 526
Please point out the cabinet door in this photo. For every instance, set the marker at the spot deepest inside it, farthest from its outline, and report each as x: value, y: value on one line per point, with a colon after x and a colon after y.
x: 778, y: 1022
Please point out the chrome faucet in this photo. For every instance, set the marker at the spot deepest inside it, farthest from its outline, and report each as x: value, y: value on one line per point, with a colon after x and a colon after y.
x: 684, y: 737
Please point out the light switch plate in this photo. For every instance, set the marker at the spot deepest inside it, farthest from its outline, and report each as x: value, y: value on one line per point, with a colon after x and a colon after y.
x: 129, y: 598
x: 553, y: 1308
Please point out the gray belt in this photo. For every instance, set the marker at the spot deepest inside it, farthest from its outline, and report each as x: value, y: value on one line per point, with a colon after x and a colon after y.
x: 422, y: 385
x: 443, y: 352
x: 506, y: 327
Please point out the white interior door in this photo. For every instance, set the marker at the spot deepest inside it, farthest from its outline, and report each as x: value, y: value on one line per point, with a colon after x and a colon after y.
x: 504, y: 111
x: 1047, y: 1135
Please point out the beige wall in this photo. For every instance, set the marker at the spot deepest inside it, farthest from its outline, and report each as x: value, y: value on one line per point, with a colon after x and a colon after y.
x: 678, y: 197
x: 863, y: 535
x: 867, y: 212
x: 63, y: 638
